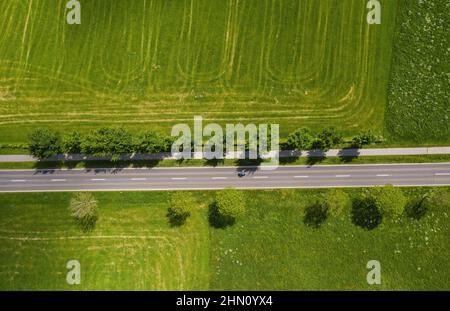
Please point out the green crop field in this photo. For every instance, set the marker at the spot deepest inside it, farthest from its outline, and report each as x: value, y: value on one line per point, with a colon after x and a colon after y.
x: 155, y: 63
x: 133, y: 247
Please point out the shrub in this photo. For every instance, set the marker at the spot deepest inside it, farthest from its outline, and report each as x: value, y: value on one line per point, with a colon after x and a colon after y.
x: 83, y: 208
x: 181, y: 205
x: 43, y: 143
x: 389, y: 199
x: 228, y: 205
x: 334, y: 201
x: 364, y: 138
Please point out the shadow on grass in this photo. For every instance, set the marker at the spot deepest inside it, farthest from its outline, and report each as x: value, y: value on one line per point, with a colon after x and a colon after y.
x: 315, y: 215
x: 214, y: 162
x: 46, y: 165
x: 289, y: 160
x: 217, y: 220
x: 315, y: 156
x: 415, y: 209
x: 365, y: 213
x: 176, y: 220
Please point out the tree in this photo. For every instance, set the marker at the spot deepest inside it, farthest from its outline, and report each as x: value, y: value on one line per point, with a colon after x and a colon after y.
x: 152, y: 142
x: 364, y: 138
x: 334, y: 201
x: 83, y: 208
x: 107, y: 141
x: 390, y: 200
x: 228, y: 205
x: 181, y: 205
x: 300, y: 139
x: 327, y: 138
x: 43, y: 143
x: 71, y: 143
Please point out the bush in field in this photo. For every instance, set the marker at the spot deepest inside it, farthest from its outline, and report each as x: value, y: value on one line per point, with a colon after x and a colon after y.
x: 181, y: 205
x: 335, y: 201
x: 300, y: 139
x: 228, y: 205
x: 43, y: 143
x: 107, y: 141
x: 83, y: 208
x: 152, y: 142
x: 71, y: 143
x: 390, y: 200
x: 364, y: 138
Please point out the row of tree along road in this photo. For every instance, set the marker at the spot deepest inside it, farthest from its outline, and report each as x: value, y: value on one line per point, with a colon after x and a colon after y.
x: 367, y: 210
x: 116, y: 141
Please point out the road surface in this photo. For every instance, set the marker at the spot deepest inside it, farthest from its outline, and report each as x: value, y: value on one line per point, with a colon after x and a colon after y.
x: 321, y: 176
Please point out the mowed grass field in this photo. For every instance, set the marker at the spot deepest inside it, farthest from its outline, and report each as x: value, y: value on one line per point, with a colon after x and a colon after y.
x: 155, y: 63
x: 269, y: 248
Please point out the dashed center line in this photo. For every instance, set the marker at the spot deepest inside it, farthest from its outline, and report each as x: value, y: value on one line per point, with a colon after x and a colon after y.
x: 138, y: 178
x: 98, y: 179
x: 260, y: 177
x: 343, y: 176
x: 442, y: 174
x: 301, y: 176
x: 58, y: 180
x: 218, y: 177
x: 179, y: 178
x: 18, y: 180
x: 383, y: 175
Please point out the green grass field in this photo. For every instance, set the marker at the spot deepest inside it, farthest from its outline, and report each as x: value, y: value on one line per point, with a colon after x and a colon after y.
x: 134, y: 248
x: 155, y: 63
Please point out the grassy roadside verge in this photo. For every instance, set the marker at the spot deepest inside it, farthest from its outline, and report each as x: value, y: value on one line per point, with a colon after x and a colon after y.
x: 133, y: 247
x: 201, y: 163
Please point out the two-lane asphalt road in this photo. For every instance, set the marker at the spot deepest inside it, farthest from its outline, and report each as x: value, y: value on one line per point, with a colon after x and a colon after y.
x: 437, y: 174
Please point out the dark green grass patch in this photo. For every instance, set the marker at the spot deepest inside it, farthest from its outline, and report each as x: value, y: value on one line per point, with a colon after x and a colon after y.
x: 418, y: 107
